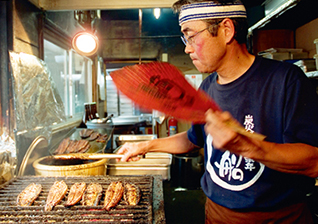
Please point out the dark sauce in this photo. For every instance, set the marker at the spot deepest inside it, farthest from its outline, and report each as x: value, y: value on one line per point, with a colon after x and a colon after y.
x: 65, y: 162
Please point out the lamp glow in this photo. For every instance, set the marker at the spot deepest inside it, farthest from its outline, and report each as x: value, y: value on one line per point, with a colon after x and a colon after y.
x: 85, y: 43
x: 156, y: 12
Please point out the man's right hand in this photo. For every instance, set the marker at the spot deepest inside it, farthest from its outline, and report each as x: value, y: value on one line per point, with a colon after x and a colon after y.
x: 132, y: 150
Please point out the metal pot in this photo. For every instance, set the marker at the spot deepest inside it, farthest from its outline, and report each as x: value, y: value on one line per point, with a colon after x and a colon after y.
x: 47, y: 166
x: 187, y: 170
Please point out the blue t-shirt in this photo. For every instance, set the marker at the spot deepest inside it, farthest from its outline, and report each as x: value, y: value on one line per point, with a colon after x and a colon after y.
x: 277, y: 100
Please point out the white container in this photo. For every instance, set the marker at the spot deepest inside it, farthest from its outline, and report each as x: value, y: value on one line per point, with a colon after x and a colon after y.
x: 316, y: 57
x: 316, y: 42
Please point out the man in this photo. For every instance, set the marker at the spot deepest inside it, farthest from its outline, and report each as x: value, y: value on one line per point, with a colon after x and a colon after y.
x: 246, y: 180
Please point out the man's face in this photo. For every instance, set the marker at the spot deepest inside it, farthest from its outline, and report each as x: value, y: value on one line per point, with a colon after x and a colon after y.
x: 205, y: 50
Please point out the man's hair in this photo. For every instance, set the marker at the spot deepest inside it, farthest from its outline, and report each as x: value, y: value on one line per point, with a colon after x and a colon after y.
x: 240, y: 24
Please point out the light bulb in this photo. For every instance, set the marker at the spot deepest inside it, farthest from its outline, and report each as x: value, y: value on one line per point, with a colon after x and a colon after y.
x: 86, y: 43
x: 156, y: 12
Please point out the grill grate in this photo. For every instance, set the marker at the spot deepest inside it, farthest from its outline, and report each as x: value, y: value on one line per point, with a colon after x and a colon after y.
x: 9, y: 212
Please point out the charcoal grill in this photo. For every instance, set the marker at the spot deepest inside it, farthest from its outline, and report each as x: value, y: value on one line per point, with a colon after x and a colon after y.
x: 141, y: 213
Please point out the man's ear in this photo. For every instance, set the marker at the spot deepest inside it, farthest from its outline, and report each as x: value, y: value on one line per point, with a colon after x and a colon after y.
x: 228, y: 29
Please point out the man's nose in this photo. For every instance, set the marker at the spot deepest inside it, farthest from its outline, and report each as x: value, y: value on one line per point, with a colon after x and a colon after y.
x: 188, y: 48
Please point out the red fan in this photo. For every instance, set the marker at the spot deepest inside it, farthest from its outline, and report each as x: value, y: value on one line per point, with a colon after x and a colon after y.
x: 162, y: 86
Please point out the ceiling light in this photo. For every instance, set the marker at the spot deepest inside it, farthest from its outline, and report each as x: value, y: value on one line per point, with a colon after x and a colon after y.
x: 85, y: 43
x: 156, y: 12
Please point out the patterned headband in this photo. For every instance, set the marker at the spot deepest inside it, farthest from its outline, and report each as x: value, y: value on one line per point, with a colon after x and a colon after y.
x: 210, y: 10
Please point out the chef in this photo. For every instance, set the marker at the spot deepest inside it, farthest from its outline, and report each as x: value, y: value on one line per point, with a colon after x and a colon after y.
x: 245, y: 180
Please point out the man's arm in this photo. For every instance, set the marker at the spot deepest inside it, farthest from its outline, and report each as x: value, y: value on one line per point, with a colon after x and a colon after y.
x: 174, y: 144
x: 295, y: 158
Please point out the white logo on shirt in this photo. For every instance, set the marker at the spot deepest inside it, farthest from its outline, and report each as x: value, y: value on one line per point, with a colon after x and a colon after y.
x: 249, y: 125
x: 229, y: 167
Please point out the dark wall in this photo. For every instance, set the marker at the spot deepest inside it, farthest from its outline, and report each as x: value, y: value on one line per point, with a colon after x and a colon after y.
x: 5, y: 45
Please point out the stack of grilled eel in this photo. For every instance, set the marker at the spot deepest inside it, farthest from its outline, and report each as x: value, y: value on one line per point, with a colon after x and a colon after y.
x: 82, y: 145
x: 72, y: 146
x: 85, y: 133
x: 89, y: 196
x: 93, y: 135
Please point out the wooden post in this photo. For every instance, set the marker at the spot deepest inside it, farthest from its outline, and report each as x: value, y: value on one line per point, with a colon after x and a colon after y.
x: 94, y: 82
x: 105, y: 89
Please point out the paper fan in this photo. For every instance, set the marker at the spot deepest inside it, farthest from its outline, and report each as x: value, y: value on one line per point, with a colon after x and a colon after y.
x: 161, y: 86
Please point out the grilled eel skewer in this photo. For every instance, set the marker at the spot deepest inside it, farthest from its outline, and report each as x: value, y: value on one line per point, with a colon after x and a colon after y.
x: 56, y: 194
x: 113, y: 195
x: 132, y: 194
x: 29, y: 194
x: 75, y: 194
x: 92, y: 195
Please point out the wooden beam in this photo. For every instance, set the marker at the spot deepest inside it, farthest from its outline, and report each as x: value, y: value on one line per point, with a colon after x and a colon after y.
x: 54, y: 5
x: 94, y: 82
x: 35, y: 2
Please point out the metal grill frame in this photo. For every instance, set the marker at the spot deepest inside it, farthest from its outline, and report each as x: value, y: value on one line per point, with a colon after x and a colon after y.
x: 10, y: 212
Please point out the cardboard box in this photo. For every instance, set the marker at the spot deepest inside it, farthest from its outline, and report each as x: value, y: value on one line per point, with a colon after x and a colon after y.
x: 316, y: 58
x: 316, y: 42
x: 301, y: 55
x: 277, y: 56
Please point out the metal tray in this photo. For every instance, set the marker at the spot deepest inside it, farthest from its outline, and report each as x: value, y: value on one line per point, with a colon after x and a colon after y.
x: 152, y: 164
x: 121, y: 139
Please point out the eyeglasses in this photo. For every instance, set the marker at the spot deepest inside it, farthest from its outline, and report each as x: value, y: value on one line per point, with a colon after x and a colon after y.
x: 190, y: 39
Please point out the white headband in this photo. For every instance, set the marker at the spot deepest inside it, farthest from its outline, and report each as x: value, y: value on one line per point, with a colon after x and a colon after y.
x: 210, y: 10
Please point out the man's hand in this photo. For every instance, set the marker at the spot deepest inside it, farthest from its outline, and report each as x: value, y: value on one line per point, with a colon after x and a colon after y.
x: 217, y: 126
x: 132, y: 150
x: 225, y: 137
